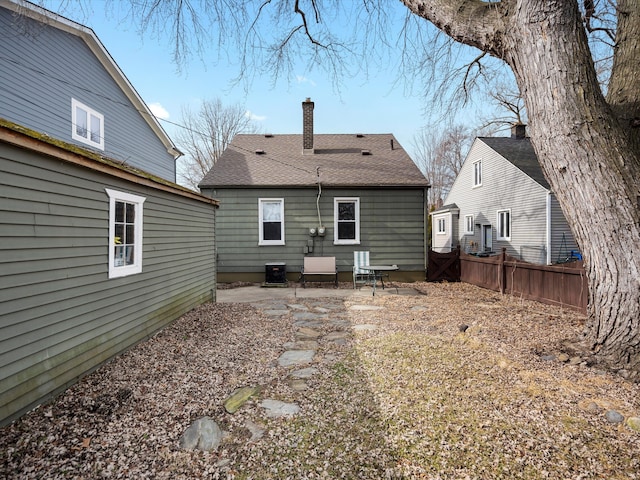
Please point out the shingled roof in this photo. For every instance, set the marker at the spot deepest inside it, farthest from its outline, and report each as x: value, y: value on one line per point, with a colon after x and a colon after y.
x: 340, y: 160
x: 519, y: 152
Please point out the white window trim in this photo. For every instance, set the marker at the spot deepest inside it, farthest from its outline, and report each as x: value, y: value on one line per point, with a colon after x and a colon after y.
x: 75, y: 104
x: 468, y: 221
x: 261, y: 240
x: 114, y: 195
x: 477, y: 166
x: 441, y: 222
x: 336, y: 201
x: 499, y: 231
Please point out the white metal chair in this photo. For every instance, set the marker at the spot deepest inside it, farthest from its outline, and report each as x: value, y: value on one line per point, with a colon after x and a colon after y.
x: 360, y: 259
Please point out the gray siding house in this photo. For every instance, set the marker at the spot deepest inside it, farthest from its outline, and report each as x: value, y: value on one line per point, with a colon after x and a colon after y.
x: 57, y: 78
x: 500, y: 199
x: 95, y: 254
x: 284, y: 197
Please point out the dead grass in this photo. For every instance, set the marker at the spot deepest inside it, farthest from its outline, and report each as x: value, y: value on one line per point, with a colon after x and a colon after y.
x: 412, y: 398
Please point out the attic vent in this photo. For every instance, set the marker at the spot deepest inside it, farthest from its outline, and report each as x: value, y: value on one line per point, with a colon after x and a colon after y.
x: 259, y: 152
x: 359, y: 135
x: 365, y: 152
x: 268, y: 135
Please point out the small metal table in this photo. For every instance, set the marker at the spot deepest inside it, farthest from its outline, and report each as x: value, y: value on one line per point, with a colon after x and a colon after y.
x: 376, y: 272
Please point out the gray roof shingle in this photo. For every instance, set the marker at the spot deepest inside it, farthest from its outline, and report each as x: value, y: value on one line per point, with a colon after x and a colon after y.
x: 338, y: 158
x: 518, y: 151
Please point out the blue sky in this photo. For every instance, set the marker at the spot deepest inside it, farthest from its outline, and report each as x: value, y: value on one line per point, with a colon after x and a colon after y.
x: 377, y: 104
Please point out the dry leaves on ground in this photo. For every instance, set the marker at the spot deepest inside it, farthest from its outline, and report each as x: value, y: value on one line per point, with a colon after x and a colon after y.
x: 408, y: 396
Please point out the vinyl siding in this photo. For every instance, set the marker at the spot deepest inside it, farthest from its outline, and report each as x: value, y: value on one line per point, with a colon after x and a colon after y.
x: 391, y: 228
x: 562, y: 239
x: 61, y: 316
x: 42, y: 68
x: 504, y: 187
x: 442, y: 243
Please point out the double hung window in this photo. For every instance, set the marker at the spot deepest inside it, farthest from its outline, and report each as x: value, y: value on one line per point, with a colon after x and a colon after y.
x: 346, y: 221
x: 87, y: 125
x: 468, y: 224
x: 477, y: 173
x: 504, y: 225
x: 271, y: 221
x: 125, y: 233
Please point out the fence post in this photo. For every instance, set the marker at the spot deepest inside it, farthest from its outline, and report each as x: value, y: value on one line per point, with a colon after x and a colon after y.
x: 502, y: 271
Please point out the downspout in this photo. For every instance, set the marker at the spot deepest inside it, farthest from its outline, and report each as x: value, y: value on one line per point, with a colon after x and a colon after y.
x: 321, y: 229
x: 425, y: 209
x: 548, y: 227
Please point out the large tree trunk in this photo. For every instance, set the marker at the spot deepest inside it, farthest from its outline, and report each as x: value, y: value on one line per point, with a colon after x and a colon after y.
x: 587, y: 146
x: 587, y: 154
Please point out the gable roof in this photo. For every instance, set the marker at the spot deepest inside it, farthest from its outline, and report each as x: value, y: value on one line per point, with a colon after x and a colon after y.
x: 338, y: 159
x: 47, y: 17
x: 520, y: 153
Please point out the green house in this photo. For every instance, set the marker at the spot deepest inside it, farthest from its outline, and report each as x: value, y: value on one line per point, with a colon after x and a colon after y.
x: 284, y: 197
x: 99, y: 248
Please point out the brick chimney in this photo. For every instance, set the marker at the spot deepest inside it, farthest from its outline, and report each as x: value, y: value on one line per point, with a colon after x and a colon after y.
x: 518, y: 130
x: 307, y: 127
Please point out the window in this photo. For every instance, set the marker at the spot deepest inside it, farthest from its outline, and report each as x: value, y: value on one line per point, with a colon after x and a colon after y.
x: 504, y: 225
x: 87, y: 125
x: 346, y: 221
x: 271, y: 221
x: 442, y: 226
x: 125, y: 233
x: 468, y: 224
x: 477, y: 173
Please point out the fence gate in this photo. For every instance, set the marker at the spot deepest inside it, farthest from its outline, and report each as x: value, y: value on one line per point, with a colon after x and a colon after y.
x: 444, y: 266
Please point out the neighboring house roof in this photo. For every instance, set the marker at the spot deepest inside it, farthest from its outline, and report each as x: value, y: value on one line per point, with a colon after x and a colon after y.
x: 338, y: 159
x: 445, y: 208
x: 50, y: 18
x: 520, y: 153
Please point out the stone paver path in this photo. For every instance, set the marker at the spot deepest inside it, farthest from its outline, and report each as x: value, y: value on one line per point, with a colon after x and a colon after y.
x: 318, y: 324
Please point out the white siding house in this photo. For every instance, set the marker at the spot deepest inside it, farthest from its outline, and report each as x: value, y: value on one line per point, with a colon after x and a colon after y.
x: 502, y: 200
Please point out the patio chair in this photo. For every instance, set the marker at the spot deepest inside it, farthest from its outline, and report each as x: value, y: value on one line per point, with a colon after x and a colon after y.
x: 360, y: 259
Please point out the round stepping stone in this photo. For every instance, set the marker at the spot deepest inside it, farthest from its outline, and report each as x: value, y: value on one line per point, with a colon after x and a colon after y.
x: 203, y: 434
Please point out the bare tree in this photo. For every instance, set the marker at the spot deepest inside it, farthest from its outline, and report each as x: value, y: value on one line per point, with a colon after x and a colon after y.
x: 206, y: 134
x: 586, y: 136
x: 440, y: 154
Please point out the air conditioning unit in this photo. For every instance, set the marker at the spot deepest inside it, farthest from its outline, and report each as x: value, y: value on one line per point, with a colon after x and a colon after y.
x: 275, y: 273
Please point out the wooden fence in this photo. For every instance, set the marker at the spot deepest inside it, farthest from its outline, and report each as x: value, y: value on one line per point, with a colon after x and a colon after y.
x: 563, y: 285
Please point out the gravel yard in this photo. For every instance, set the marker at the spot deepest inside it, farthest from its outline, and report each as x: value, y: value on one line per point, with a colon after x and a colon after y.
x: 455, y: 383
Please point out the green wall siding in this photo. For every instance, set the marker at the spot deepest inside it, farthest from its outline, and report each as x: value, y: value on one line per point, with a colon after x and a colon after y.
x: 61, y: 316
x: 391, y: 228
